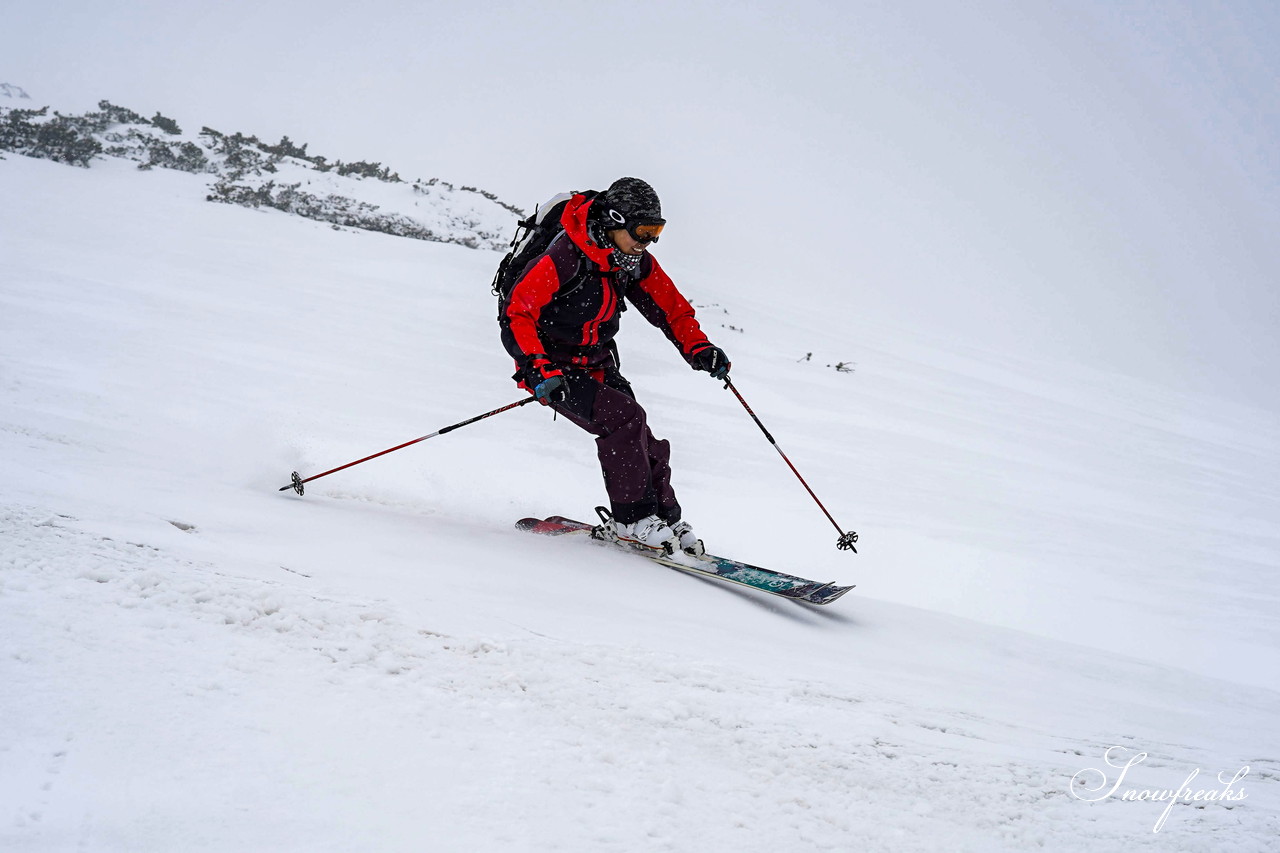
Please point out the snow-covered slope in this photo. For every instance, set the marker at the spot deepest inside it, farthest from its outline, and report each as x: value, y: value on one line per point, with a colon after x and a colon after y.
x: 1053, y: 563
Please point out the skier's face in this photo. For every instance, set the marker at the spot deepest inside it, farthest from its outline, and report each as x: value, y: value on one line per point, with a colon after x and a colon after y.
x: 628, y: 244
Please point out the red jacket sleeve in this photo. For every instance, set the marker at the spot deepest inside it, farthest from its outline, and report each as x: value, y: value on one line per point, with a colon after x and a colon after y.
x: 665, y: 307
x: 530, y: 295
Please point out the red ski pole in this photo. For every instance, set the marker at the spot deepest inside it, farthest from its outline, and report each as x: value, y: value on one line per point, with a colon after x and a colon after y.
x: 297, y: 481
x: 846, y: 540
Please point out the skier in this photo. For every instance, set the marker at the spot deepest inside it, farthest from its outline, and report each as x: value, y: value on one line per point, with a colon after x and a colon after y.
x: 559, y: 322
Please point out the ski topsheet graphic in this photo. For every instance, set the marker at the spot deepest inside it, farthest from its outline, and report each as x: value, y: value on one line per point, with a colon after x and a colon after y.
x: 707, y: 565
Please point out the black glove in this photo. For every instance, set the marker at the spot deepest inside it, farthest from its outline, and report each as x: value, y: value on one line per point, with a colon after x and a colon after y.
x: 545, y: 380
x: 711, y: 359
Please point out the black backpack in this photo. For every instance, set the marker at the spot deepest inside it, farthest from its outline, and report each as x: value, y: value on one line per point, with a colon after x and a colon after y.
x: 534, y: 234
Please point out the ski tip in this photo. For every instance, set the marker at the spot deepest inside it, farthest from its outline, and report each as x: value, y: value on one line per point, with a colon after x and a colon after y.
x: 827, y: 594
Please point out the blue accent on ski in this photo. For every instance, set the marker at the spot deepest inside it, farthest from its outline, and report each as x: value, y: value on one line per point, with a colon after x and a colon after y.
x: 707, y: 565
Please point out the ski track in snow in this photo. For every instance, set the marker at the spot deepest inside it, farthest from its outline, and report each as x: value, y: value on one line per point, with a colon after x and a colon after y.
x: 554, y: 736
x: 190, y: 660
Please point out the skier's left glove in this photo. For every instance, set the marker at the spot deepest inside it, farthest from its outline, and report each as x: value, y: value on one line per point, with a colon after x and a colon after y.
x: 545, y: 380
x: 712, y: 359
x: 551, y: 390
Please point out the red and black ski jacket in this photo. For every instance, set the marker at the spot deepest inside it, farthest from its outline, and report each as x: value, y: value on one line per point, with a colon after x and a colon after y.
x: 566, y: 303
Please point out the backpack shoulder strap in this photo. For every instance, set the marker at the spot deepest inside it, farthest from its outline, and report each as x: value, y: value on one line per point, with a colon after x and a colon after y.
x: 534, y: 235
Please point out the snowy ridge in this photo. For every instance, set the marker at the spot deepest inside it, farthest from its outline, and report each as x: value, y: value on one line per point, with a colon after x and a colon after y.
x: 8, y: 90
x: 247, y: 171
x: 194, y: 660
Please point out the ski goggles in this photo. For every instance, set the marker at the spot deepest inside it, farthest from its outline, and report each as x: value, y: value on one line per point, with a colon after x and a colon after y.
x: 642, y: 231
x: 646, y: 232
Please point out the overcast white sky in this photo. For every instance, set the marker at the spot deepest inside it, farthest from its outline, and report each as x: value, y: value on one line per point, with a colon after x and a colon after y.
x: 1097, y: 181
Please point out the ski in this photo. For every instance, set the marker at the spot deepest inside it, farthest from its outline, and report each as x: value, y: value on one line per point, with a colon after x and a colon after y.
x: 707, y: 565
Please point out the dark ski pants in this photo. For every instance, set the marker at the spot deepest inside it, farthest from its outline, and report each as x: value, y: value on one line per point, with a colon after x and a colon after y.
x: 636, y: 466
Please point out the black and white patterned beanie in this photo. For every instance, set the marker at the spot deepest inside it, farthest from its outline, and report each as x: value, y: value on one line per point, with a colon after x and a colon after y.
x: 628, y: 200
